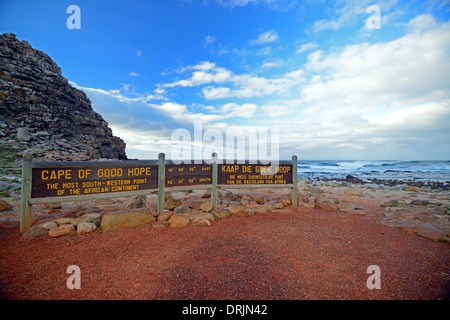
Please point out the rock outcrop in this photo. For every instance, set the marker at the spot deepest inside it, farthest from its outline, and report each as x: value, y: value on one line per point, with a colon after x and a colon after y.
x: 41, y: 113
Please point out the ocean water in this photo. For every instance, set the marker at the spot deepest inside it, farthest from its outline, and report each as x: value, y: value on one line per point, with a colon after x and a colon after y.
x: 438, y: 171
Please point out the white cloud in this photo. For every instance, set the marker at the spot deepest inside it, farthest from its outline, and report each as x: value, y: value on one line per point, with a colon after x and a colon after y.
x: 278, y: 5
x: 246, y: 110
x: 421, y: 23
x: 349, y: 12
x: 274, y: 63
x: 204, y: 73
x: 413, y: 67
x: 265, y: 37
x: 306, y: 47
x: 240, y: 85
x: 372, y: 101
x: 209, y: 40
x: 367, y: 100
x: 133, y: 74
x: 139, y: 53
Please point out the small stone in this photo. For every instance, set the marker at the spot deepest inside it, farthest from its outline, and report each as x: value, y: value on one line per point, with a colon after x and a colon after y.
x: 390, y: 203
x: 92, y: 216
x: 62, y: 221
x: 206, y: 194
x: 425, y: 217
x: 195, y: 204
x: 237, y: 210
x: 260, y: 200
x: 207, y: 206
x: 409, y: 188
x: 103, y: 202
x: 160, y: 224
x: 221, y: 214
x: 179, y: 221
x: 349, y: 206
x: 61, y: 230
x: 53, y: 205
x: 23, y: 134
x: 97, y: 222
x: 352, y: 193
x: 172, y: 203
x: 34, y: 232
x: 85, y: 227
x: 4, y: 205
x: 204, y: 215
x: 181, y: 209
x: 261, y: 209
x: 248, y: 212
x: 278, y: 205
x: 326, y: 205
x: 136, y: 202
x: 285, y: 202
x: 245, y: 201
x: 50, y: 225
x: 419, y: 202
x: 201, y: 222
x: 165, y: 215
x: 309, y: 205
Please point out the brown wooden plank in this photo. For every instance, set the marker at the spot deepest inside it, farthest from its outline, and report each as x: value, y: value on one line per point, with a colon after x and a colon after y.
x: 188, y: 175
x: 250, y: 174
x: 81, y: 180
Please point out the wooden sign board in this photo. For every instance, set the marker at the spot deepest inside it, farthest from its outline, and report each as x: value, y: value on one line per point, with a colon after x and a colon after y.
x: 92, y: 179
x: 188, y: 174
x: 237, y: 174
x: 65, y: 181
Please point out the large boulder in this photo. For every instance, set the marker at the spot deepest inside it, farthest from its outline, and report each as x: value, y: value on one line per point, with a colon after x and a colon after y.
x: 238, y: 211
x: 427, y: 230
x: 61, y: 230
x: 128, y: 218
x: 172, y: 203
x: 179, y: 221
x: 35, y: 231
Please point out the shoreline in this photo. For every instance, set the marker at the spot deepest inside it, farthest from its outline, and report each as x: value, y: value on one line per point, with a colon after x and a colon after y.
x: 432, y: 184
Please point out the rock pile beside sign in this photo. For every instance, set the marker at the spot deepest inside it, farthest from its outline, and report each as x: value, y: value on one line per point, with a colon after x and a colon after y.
x: 190, y: 211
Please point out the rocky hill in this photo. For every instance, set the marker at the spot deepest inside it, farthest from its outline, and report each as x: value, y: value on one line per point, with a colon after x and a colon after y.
x: 42, y: 114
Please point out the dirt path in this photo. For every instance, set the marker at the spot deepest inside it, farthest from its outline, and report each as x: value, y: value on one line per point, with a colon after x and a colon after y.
x: 288, y: 254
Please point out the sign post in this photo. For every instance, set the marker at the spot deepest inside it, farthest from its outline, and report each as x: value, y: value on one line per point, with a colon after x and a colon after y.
x: 214, y: 182
x: 25, y: 194
x: 161, y: 181
x: 294, y: 182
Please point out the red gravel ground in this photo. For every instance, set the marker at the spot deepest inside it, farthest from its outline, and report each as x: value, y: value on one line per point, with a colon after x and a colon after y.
x: 294, y: 253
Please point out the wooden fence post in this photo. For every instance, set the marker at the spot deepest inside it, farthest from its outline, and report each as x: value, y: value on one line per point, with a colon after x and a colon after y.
x: 25, y: 194
x: 161, y: 181
x: 214, y: 182
x: 294, y: 181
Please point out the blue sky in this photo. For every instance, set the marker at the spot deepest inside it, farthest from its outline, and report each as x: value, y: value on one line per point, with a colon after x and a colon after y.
x: 313, y: 70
